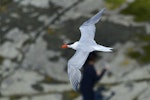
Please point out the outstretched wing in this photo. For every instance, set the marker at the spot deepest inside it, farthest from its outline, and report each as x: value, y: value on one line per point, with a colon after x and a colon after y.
x: 74, y: 66
x: 78, y: 59
x: 88, y: 28
x: 74, y: 77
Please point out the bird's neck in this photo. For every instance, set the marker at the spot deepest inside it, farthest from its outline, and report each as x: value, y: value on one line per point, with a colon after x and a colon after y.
x: 74, y: 45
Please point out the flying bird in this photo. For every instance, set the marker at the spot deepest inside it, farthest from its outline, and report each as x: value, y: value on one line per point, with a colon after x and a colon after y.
x: 83, y: 47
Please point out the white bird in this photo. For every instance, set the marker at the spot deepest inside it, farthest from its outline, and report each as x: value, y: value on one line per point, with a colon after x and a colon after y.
x: 83, y: 47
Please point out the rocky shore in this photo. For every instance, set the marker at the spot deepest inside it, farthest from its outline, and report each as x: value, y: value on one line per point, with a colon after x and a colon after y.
x: 33, y: 66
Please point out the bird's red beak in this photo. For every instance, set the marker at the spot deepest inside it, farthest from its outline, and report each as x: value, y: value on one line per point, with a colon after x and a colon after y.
x: 64, y: 46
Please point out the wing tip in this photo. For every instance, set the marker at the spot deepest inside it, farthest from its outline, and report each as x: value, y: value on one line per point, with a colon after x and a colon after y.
x: 76, y: 87
x: 74, y: 77
x: 103, y: 9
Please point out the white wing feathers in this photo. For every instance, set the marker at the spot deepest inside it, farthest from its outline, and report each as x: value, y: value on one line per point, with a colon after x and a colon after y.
x: 88, y: 28
x: 74, y: 66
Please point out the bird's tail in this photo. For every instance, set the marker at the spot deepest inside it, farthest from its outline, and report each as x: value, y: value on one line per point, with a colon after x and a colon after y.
x: 75, y: 77
x: 102, y: 48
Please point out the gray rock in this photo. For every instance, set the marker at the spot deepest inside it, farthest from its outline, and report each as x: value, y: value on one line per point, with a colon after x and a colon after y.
x: 139, y: 74
x: 56, y: 88
x: 81, y: 9
x: 8, y: 50
x: 89, y: 6
x: 38, y: 58
x: 24, y: 98
x: 20, y: 83
x: 129, y: 91
x: 7, y: 67
x: 14, y: 15
x: 17, y: 36
x: 36, y: 3
x: 145, y: 95
x: 120, y: 19
x: 147, y: 25
x: 120, y: 64
x: 63, y: 3
x: 4, y: 28
x: 4, y: 98
x: 48, y: 97
x: 45, y: 19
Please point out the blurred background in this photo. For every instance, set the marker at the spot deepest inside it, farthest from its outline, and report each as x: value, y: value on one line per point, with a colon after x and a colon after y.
x: 33, y: 66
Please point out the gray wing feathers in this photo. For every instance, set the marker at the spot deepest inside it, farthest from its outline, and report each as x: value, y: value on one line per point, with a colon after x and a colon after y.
x: 74, y: 66
x: 78, y: 59
x: 95, y: 18
x: 74, y: 77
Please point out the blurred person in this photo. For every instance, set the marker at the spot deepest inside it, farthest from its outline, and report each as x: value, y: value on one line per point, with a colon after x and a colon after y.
x: 90, y: 77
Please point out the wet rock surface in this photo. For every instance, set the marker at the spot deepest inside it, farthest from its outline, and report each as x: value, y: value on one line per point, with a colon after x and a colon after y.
x: 33, y: 66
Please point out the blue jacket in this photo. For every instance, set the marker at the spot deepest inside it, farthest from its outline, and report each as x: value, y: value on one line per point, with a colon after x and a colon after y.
x: 89, y: 78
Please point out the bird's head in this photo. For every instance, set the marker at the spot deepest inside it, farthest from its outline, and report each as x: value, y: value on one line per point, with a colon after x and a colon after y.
x: 64, y: 46
x: 70, y: 45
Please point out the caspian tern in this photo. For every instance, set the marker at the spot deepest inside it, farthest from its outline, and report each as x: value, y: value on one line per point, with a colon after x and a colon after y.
x: 83, y: 47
